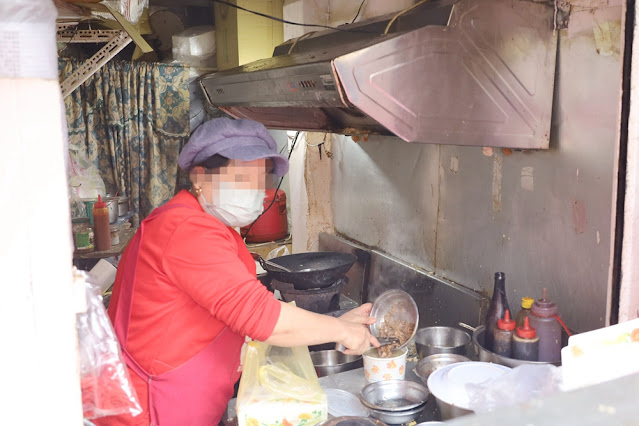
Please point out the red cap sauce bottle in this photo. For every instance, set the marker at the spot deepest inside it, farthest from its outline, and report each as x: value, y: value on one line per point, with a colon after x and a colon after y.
x: 526, y: 342
x: 503, y: 335
x: 101, y: 226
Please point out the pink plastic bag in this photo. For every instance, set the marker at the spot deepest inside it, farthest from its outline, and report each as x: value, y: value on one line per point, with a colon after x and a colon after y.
x: 106, y: 386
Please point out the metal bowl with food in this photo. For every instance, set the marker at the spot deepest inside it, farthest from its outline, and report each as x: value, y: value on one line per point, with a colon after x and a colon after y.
x: 426, y: 366
x: 397, y: 316
x: 332, y: 362
x: 489, y: 356
x: 394, y: 395
x: 440, y: 340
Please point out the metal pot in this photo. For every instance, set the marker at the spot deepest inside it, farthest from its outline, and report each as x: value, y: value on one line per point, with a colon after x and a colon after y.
x: 449, y: 411
x: 123, y: 206
x: 112, y: 204
x: 441, y: 340
x: 333, y: 362
x: 311, y: 270
x: 489, y: 356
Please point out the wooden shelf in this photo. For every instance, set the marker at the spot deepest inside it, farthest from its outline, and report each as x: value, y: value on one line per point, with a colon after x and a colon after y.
x: 116, y: 250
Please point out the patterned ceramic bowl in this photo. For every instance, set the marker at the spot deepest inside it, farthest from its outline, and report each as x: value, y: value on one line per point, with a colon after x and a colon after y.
x: 377, y: 369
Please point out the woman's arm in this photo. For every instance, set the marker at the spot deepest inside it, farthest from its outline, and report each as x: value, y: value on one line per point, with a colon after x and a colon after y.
x: 298, y: 327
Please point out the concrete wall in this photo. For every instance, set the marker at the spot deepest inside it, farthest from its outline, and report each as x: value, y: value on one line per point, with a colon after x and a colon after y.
x: 543, y: 217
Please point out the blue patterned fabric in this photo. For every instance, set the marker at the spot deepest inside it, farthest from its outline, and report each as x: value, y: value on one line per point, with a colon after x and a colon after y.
x: 132, y: 119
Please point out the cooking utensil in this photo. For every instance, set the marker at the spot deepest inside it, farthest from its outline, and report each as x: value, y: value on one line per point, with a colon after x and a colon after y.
x: 265, y: 262
x: 403, y: 308
x: 438, y: 340
x: 394, y: 395
x: 311, y: 270
x: 387, y: 340
x: 426, y: 366
x: 489, y: 356
x: 333, y: 362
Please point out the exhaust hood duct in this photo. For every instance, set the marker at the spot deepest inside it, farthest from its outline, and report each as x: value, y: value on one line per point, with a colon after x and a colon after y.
x: 469, y: 72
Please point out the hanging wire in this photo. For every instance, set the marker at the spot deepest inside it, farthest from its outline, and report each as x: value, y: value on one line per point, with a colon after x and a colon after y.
x: 276, y: 189
x: 392, y: 21
x: 358, y: 10
x: 291, y: 22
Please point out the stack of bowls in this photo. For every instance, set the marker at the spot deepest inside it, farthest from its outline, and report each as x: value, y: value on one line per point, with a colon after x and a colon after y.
x: 394, y: 401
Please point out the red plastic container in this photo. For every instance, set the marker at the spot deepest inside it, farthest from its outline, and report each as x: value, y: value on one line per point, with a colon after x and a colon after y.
x: 273, y: 224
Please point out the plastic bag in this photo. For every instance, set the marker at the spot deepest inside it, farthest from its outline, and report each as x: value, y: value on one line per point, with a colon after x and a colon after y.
x: 519, y: 385
x: 78, y: 208
x: 280, y: 251
x: 84, y: 177
x: 131, y: 9
x: 279, y: 386
x: 106, y: 386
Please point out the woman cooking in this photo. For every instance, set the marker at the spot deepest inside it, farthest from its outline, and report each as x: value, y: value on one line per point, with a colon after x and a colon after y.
x: 186, y: 293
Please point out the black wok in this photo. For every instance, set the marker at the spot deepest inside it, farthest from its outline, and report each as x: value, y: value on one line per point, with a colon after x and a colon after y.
x: 311, y: 270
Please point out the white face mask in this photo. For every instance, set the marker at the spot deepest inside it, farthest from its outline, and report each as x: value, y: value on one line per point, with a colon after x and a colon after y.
x: 235, y: 207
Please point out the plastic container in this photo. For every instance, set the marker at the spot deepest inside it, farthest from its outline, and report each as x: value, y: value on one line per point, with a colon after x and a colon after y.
x: 101, y: 226
x: 273, y: 224
x: 526, y: 303
x: 88, y: 203
x: 82, y: 235
x: 542, y: 319
x: 496, y: 309
x: 503, y: 336
x: 392, y: 368
x: 526, y: 342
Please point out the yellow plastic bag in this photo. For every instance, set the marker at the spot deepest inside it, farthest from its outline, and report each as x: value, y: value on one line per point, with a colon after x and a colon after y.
x: 279, y: 387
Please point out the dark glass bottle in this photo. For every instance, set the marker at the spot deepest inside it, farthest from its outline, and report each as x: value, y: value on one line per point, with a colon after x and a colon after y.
x: 496, y: 309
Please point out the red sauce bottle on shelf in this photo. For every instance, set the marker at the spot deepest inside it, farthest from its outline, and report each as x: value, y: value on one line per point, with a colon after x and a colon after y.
x: 101, y: 226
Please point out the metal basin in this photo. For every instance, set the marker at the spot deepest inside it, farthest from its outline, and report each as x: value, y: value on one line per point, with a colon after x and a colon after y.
x: 394, y: 395
x: 489, y: 356
x: 397, y: 417
x: 441, y: 340
x: 428, y: 365
x: 333, y: 362
x: 400, y: 305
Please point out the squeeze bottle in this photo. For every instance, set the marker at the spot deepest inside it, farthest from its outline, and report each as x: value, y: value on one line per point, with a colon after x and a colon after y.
x: 101, y: 226
x: 542, y: 319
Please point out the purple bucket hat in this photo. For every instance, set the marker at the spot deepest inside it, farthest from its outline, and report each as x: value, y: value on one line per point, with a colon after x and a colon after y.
x: 242, y: 139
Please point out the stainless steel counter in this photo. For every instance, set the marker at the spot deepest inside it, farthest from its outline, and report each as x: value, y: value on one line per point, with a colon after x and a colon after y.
x: 353, y: 381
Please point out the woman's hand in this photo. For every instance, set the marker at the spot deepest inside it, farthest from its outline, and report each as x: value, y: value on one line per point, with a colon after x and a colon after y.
x: 357, y: 337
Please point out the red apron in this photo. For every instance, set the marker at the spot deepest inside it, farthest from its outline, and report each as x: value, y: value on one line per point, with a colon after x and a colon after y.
x: 197, y: 392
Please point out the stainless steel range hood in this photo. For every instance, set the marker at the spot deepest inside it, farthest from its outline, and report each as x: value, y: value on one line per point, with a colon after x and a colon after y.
x: 469, y: 72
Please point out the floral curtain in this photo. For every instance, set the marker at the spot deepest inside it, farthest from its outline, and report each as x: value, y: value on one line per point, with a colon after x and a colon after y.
x: 132, y: 119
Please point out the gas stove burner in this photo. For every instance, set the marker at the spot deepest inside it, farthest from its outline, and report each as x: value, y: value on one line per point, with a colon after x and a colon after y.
x: 319, y: 300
